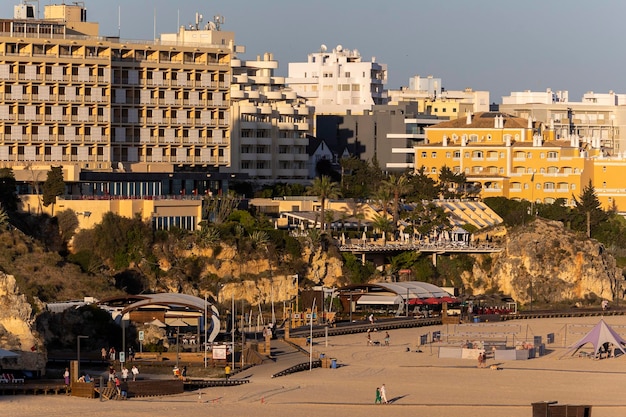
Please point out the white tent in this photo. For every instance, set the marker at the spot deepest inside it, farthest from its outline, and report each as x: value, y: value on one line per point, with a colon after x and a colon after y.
x: 599, y: 335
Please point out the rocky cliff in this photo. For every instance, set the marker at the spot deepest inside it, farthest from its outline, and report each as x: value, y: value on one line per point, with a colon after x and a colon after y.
x: 16, y: 331
x: 548, y: 262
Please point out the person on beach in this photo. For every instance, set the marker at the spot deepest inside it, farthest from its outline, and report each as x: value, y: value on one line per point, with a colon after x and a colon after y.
x: 386, y: 338
x: 66, y: 377
x: 378, y: 398
x: 383, y: 394
x: 135, y: 371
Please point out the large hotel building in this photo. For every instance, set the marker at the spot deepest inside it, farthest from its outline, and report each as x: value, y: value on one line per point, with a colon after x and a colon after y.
x: 120, y: 117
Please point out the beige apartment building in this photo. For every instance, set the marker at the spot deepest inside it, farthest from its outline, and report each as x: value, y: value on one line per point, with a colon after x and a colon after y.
x: 95, y: 104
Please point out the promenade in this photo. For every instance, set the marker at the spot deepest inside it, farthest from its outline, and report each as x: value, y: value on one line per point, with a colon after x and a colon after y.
x: 418, y: 382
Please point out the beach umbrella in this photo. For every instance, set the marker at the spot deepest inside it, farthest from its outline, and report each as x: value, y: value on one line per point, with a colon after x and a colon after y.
x: 432, y: 300
x: 415, y: 301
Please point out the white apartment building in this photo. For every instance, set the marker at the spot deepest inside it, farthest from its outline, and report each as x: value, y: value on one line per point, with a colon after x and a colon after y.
x: 339, y: 81
x: 270, y: 123
x: 429, y: 90
x: 597, y: 116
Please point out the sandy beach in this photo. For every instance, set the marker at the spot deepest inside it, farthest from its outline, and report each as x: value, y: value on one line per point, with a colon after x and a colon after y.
x: 418, y: 383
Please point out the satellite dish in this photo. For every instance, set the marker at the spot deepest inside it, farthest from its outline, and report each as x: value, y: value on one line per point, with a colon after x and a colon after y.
x: 339, y: 48
x: 323, y: 48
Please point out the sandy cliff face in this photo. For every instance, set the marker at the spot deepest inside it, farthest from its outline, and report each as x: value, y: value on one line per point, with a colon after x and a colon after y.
x: 16, y: 332
x: 557, y: 263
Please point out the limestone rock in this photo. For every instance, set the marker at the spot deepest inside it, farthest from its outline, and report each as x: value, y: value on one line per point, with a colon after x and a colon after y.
x: 16, y: 331
x: 556, y: 263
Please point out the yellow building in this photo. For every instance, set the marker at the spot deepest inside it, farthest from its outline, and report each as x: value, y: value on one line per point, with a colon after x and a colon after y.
x: 516, y: 158
x: 164, y: 213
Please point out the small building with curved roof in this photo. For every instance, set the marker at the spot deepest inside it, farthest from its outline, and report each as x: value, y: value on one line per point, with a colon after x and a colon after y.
x: 171, y: 309
x: 392, y: 295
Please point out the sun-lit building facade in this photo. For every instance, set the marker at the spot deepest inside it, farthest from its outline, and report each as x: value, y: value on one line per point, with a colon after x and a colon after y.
x: 520, y: 159
x: 94, y: 104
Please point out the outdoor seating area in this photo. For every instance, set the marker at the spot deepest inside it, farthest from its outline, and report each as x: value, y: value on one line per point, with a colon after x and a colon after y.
x: 10, y: 379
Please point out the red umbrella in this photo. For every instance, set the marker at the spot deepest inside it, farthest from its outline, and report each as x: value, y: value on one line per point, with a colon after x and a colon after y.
x: 447, y: 299
x: 415, y: 301
x: 432, y: 300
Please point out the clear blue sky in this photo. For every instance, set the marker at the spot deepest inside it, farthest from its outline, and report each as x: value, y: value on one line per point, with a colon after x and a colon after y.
x: 495, y: 45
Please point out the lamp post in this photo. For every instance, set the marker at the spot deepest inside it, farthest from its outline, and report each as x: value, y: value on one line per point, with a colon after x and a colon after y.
x: 78, y: 352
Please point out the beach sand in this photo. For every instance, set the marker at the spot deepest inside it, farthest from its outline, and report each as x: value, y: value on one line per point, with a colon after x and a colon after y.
x: 418, y: 383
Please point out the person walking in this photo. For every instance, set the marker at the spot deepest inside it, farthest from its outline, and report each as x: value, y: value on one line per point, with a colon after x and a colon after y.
x: 227, y: 372
x: 383, y: 394
x: 66, y: 377
x: 135, y: 371
x: 103, y: 351
x: 124, y: 374
x: 378, y: 398
x: 386, y: 338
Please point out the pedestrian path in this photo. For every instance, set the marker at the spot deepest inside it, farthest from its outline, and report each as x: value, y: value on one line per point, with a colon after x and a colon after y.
x: 283, y: 356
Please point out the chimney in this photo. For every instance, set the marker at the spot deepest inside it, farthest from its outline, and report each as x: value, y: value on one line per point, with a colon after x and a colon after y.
x: 468, y: 120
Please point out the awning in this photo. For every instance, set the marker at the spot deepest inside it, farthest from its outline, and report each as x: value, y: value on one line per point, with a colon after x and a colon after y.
x: 371, y: 299
x: 155, y: 322
x: 7, y: 354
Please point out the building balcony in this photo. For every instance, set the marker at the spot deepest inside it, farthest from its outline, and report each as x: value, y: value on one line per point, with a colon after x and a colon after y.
x: 302, y: 126
x: 285, y: 126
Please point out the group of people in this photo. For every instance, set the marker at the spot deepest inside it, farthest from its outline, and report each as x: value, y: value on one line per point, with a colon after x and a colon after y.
x: 381, y: 395
x: 111, y: 354
x: 482, y: 360
x: 371, y: 342
x: 125, y: 373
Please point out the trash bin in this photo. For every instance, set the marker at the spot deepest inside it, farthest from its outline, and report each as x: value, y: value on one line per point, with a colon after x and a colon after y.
x: 476, y: 319
x: 333, y: 363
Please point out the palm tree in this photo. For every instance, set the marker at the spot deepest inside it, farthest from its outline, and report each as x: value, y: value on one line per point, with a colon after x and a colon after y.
x: 383, y: 197
x: 398, y: 185
x: 324, y: 188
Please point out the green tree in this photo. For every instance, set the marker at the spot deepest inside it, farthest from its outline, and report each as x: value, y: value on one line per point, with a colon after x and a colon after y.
x: 399, y: 186
x: 452, y: 183
x: 324, y: 188
x: 422, y: 186
x: 589, y: 209
x: 68, y: 223
x: 53, y: 187
x: 8, y: 190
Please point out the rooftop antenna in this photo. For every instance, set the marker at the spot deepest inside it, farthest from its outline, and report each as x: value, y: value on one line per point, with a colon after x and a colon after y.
x: 218, y: 20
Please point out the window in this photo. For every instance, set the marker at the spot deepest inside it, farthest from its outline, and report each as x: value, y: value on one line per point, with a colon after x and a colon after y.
x: 603, y: 184
x: 573, y: 186
x: 467, y: 154
x: 347, y: 74
x: 488, y: 137
x: 448, y: 154
x: 457, y: 154
x: 604, y: 169
x: 502, y: 155
x: 553, y: 155
x: 538, y: 186
x: 548, y: 186
x: 542, y: 155
x: 433, y: 155
x: 529, y: 155
x: 433, y: 170
x: 477, y: 154
x: 423, y: 154
x: 473, y: 138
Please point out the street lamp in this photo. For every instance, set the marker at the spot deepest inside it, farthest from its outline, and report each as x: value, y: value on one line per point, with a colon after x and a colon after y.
x: 78, y: 352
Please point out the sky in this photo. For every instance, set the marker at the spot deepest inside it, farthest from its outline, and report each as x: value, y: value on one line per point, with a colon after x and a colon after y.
x: 495, y: 45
